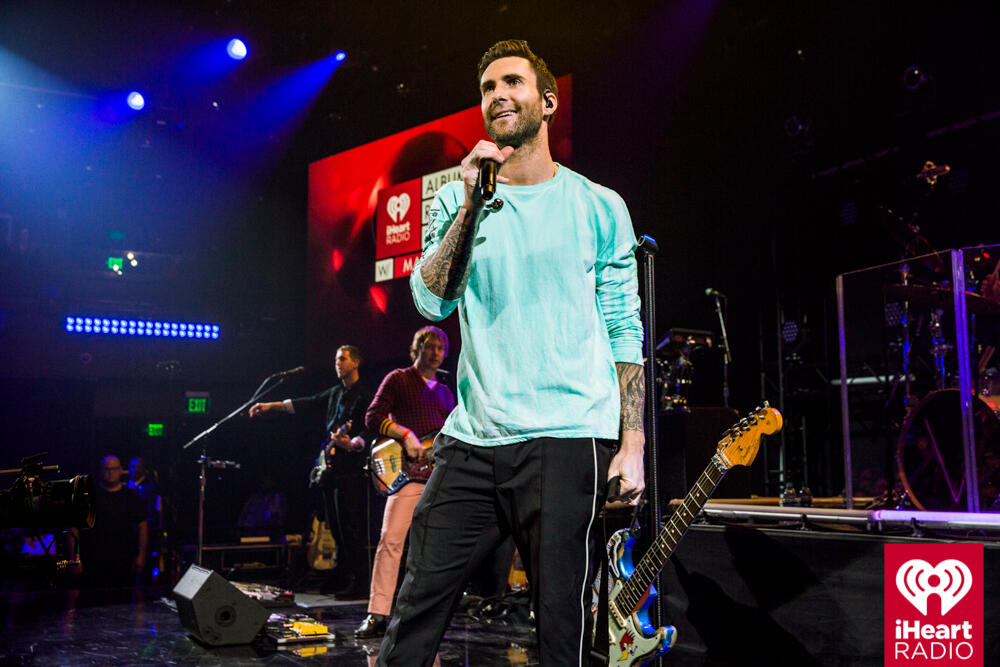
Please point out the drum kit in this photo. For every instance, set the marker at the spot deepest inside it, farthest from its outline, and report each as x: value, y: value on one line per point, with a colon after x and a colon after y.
x: 675, y: 363
x: 930, y: 455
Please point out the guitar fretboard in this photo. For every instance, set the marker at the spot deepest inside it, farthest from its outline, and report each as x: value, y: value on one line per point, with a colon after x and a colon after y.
x: 665, y: 543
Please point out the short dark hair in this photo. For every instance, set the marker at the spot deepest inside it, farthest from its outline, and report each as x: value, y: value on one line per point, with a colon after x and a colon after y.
x: 354, y: 351
x: 518, y: 48
x: 422, y: 335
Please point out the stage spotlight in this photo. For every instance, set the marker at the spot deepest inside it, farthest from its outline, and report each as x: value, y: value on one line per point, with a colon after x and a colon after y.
x: 236, y: 49
x: 913, y: 77
x: 339, y: 56
x: 789, y: 331
x: 135, y: 101
x: 793, y: 126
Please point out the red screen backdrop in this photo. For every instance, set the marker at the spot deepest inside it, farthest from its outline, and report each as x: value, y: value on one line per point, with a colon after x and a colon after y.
x: 367, y: 210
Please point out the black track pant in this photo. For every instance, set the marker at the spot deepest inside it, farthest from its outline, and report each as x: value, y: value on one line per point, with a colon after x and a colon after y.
x: 546, y: 493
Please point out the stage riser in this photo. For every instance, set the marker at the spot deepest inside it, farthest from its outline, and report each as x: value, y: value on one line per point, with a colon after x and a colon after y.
x: 742, y: 595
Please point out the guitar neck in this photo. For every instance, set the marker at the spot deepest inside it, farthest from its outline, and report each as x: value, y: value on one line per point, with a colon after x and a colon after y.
x: 665, y: 543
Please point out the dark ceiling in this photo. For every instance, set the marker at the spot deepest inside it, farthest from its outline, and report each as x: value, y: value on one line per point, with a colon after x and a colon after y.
x: 683, y: 107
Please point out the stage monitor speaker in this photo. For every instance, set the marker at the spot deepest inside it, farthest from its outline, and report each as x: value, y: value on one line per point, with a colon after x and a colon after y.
x: 687, y: 441
x: 215, y: 611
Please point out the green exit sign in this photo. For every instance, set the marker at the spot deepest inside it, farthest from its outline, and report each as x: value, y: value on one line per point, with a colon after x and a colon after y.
x: 197, y: 402
x: 155, y: 430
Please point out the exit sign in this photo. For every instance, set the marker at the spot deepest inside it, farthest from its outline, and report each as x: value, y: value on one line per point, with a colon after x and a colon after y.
x: 198, y: 402
x: 154, y: 430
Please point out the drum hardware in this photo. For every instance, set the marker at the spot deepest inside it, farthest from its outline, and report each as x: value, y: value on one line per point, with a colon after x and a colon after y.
x: 941, y: 297
x: 939, y: 347
x: 675, y: 370
x: 929, y: 456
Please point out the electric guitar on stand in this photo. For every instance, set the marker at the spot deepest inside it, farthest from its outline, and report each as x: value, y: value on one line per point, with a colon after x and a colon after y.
x: 632, y: 638
x: 321, y: 552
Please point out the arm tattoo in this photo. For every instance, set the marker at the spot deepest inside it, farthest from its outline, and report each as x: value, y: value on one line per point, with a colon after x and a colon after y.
x: 446, y: 270
x: 632, y: 384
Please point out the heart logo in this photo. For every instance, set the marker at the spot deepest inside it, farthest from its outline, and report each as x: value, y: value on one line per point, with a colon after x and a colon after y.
x: 954, y: 579
x: 398, y: 206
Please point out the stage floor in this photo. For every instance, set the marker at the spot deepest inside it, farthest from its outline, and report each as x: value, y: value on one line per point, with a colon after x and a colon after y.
x: 140, y: 626
x: 737, y: 594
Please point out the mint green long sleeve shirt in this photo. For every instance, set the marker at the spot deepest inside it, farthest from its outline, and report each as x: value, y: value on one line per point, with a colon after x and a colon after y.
x: 551, y: 305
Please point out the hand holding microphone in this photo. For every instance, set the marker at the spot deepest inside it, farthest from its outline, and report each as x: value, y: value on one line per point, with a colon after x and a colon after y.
x: 480, y: 172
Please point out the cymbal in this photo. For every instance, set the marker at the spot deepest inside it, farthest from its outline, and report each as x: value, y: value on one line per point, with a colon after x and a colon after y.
x: 678, y: 340
x: 941, y: 297
x: 908, y: 237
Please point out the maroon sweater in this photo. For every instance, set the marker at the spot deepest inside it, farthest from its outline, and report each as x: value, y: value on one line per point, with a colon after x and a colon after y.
x: 404, y: 398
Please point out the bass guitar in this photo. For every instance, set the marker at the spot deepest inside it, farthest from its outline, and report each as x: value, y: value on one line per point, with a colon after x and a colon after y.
x: 391, y: 467
x: 632, y: 638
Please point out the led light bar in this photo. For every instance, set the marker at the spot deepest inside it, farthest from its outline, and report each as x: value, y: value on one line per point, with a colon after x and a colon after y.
x: 112, y: 326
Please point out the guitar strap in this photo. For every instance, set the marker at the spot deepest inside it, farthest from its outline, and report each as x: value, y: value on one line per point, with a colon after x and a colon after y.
x: 635, y: 527
x: 343, y: 408
x: 599, y: 647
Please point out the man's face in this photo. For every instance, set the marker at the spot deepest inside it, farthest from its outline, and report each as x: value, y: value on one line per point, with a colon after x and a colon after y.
x: 137, y: 469
x: 345, y: 363
x: 111, y: 471
x: 512, y: 105
x: 432, y: 353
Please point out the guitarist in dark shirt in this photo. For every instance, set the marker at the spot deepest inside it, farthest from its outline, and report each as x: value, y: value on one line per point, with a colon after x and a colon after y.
x: 340, y: 471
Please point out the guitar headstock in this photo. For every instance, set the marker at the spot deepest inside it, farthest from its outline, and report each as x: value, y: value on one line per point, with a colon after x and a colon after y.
x: 740, y: 443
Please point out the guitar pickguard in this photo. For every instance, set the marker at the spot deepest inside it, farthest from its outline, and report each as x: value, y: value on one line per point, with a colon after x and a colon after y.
x: 632, y: 638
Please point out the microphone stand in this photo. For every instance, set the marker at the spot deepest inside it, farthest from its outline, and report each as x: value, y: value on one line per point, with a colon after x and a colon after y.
x: 647, y: 249
x: 205, y: 462
x: 727, y: 357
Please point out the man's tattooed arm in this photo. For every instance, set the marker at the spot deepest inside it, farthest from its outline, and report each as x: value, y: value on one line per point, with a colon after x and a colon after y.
x: 446, y: 270
x: 632, y: 385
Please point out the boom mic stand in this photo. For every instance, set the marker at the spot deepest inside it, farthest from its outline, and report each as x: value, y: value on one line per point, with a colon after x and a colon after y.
x: 727, y: 356
x: 206, y: 462
x: 647, y: 249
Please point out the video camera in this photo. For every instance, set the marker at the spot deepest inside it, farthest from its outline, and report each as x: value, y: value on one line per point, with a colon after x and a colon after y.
x: 34, y: 503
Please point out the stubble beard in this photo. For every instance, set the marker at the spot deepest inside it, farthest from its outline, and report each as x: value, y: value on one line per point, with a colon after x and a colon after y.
x: 529, y: 122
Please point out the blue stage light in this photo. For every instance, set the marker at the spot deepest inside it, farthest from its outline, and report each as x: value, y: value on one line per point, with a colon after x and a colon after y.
x: 135, y: 101
x: 106, y: 325
x: 339, y: 56
x: 236, y: 49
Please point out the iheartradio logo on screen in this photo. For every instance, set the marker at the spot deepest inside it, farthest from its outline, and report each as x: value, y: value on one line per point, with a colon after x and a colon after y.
x: 397, y: 222
x: 933, y: 604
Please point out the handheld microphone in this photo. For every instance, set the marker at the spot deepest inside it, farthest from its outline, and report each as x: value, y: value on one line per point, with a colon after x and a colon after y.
x: 290, y: 371
x: 487, y: 179
x: 713, y: 292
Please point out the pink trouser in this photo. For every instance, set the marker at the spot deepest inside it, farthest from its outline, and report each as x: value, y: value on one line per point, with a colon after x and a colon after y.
x: 395, y: 524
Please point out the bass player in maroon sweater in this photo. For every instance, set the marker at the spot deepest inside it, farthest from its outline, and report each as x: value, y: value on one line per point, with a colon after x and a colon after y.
x: 410, y: 404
